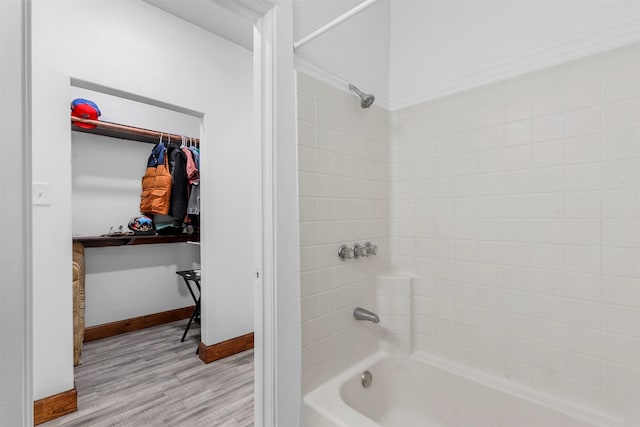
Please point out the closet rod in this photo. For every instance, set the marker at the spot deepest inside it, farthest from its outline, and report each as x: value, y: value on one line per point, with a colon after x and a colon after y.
x: 117, y: 130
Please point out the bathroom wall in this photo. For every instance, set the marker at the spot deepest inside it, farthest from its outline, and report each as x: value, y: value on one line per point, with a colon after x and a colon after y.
x: 517, y: 204
x: 467, y: 43
x: 343, y: 188
x: 356, y: 50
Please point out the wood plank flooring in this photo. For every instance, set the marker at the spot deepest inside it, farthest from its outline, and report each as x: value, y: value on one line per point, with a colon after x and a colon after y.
x: 150, y: 378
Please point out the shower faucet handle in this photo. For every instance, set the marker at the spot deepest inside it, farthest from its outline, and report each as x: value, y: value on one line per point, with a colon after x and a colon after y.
x: 345, y: 253
x: 370, y: 249
x: 359, y: 251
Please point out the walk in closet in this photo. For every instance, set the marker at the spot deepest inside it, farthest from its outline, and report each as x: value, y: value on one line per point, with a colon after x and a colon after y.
x: 126, y: 276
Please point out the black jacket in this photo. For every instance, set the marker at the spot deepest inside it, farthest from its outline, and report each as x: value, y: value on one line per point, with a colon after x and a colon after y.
x: 180, y: 188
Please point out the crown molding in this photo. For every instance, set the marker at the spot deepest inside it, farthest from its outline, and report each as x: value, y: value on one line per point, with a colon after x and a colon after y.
x: 624, y: 33
x: 333, y: 79
x: 252, y: 9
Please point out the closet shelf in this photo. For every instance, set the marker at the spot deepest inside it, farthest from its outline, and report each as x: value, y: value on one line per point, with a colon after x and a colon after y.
x: 105, y: 241
x: 132, y: 133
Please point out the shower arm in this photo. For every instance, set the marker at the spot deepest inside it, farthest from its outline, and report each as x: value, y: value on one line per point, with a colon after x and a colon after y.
x: 356, y: 90
x: 340, y: 19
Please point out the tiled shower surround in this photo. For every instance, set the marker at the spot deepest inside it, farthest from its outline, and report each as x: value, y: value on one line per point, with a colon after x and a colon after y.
x: 343, y: 163
x: 516, y: 205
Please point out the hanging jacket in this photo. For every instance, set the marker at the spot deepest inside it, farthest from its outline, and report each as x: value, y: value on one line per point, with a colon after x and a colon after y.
x: 156, y: 183
x: 180, y: 190
x: 196, y: 155
x: 192, y: 170
x: 193, y: 207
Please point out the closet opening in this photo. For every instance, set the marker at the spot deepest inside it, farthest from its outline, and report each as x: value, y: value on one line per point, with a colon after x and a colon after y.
x: 137, y: 311
x: 129, y: 275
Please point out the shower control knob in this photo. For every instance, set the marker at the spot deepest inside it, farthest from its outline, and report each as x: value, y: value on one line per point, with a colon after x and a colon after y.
x: 371, y: 249
x: 345, y: 253
x: 358, y: 251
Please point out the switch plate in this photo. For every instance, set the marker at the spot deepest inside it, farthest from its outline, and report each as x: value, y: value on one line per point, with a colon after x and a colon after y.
x: 42, y: 193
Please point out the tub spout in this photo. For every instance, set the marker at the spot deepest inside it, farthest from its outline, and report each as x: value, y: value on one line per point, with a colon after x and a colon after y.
x: 363, y: 314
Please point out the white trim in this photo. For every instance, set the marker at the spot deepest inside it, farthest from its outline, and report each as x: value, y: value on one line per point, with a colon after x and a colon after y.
x: 277, y: 382
x: 339, y: 20
x: 252, y: 9
x: 264, y: 407
x: 333, y: 79
x: 622, y: 34
x: 16, y: 394
x: 286, y: 243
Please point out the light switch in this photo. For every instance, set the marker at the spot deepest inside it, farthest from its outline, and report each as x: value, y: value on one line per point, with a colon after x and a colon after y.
x: 42, y: 193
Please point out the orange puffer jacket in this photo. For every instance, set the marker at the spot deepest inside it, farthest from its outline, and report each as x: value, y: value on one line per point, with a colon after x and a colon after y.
x: 156, y: 183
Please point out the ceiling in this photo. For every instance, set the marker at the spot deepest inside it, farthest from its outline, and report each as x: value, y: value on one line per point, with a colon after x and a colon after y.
x: 212, y: 17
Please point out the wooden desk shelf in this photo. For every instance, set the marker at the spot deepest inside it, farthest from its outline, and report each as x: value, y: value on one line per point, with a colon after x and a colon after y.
x: 105, y: 241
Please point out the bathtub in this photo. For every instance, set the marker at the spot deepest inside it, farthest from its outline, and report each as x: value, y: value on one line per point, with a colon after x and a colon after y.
x: 421, y: 390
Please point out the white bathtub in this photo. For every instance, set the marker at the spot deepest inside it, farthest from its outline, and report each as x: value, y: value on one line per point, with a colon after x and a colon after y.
x: 424, y: 391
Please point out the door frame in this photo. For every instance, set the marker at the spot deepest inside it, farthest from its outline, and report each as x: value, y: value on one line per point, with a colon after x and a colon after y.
x: 277, y: 324
x: 16, y: 396
x: 277, y: 313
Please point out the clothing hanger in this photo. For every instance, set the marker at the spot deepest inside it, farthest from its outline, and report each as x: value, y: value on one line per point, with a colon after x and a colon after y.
x: 172, y: 144
x: 153, y: 153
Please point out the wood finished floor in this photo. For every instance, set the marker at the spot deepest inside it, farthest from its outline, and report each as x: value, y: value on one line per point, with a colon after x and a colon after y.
x: 149, y: 378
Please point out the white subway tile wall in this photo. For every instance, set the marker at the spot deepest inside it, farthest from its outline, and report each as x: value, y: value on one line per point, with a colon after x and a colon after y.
x: 517, y: 204
x: 343, y: 164
x: 392, y: 302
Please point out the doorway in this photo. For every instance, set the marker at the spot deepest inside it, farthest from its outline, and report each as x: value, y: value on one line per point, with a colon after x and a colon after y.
x: 125, y: 60
x: 277, y: 218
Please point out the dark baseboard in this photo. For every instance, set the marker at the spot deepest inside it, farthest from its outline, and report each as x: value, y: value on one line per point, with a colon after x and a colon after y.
x: 55, y: 406
x: 123, y: 326
x: 210, y: 353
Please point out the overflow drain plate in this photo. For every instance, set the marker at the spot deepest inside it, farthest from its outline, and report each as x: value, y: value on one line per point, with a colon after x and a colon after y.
x: 366, y: 378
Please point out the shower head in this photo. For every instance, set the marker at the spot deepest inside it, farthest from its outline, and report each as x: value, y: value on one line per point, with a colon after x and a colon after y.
x: 366, y: 99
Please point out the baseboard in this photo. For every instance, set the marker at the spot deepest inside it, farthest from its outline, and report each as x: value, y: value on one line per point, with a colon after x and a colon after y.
x: 210, y: 353
x: 123, y: 326
x: 55, y: 406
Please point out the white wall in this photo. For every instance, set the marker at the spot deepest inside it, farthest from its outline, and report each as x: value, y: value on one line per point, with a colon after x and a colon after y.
x: 517, y: 204
x: 356, y: 51
x: 441, y: 47
x: 126, y: 282
x: 139, y: 50
x: 343, y: 186
x: 122, y: 283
